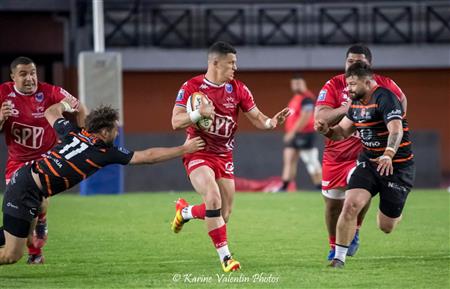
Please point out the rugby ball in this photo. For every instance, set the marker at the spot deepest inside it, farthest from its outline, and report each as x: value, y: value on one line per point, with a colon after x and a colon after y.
x: 193, y: 103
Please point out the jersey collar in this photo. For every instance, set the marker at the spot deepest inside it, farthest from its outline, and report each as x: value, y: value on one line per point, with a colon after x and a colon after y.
x: 212, y: 83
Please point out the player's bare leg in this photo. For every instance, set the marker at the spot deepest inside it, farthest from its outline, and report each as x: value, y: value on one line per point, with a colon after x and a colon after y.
x: 204, y: 182
x: 227, y: 190
x: 333, y: 208
x: 12, y: 250
x: 290, y: 160
x: 355, y: 200
x: 387, y: 224
x: 310, y: 158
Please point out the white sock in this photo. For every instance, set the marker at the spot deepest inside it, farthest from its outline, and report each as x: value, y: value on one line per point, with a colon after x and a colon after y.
x: 186, y: 213
x: 223, y: 251
x: 341, y: 252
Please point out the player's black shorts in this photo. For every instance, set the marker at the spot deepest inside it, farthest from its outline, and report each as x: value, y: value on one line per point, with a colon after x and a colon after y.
x: 22, y: 198
x: 393, y: 189
x: 302, y: 141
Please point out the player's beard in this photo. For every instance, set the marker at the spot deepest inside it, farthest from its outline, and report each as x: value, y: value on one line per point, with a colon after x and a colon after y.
x: 356, y: 95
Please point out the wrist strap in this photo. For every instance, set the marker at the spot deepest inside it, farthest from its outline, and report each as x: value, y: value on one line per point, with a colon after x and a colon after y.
x: 268, y: 124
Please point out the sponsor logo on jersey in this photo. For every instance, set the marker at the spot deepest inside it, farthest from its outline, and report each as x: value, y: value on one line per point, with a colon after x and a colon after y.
x: 228, y: 88
x: 39, y: 112
x: 12, y: 94
x: 39, y: 96
x: 180, y: 94
x: 394, y: 113
x: 11, y: 205
x: 322, y: 95
x: 229, y: 102
x: 229, y: 168
x: 123, y: 150
x: 27, y: 135
x: 203, y: 86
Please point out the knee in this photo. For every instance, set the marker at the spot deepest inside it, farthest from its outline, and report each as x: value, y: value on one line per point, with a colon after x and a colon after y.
x: 350, y: 209
x: 226, y: 214
x: 213, y: 201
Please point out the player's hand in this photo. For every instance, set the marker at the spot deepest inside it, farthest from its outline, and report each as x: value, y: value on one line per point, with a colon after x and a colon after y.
x: 280, y: 117
x: 288, y: 137
x: 346, y: 105
x: 5, y: 110
x: 73, y: 102
x: 207, y: 110
x: 321, y: 126
x: 385, y: 167
x: 194, y: 144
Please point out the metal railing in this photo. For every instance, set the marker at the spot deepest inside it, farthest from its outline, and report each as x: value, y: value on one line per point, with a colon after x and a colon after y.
x: 191, y: 24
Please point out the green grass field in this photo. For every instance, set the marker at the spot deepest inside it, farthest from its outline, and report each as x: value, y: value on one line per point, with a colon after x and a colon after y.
x: 280, y: 239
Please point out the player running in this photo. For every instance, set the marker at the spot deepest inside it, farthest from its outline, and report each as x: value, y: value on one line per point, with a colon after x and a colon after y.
x: 385, y: 165
x: 211, y: 171
x: 339, y: 157
x: 79, y: 155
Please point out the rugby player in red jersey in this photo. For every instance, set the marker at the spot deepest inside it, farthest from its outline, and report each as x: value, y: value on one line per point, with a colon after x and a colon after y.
x: 211, y: 170
x: 78, y: 155
x: 27, y: 133
x: 300, y: 135
x: 339, y: 157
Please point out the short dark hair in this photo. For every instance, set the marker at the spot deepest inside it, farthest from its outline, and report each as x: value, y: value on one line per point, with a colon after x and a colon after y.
x: 221, y: 47
x: 297, y: 76
x: 359, y: 69
x: 360, y: 49
x: 20, y: 60
x: 103, y: 117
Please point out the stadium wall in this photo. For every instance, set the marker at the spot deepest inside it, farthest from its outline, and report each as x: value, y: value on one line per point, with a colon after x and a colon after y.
x: 149, y: 99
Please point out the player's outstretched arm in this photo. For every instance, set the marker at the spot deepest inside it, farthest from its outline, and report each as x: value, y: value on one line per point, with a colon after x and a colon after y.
x: 338, y: 132
x: 56, y: 110
x: 261, y: 121
x: 156, y: 155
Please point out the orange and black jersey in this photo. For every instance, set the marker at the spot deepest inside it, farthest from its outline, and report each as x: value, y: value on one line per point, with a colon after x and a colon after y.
x: 76, y: 157
x: 370, y: 120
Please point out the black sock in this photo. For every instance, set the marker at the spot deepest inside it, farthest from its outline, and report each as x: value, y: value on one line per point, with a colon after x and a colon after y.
x: 285, y: 185
x: 2, y: 237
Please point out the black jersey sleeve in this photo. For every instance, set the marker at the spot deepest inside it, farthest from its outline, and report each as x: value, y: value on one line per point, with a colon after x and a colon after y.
x: 118, y: 155
x: 307, y: 104
x: 351, y: 113
x: 389, y: 106
x: 63, y: 127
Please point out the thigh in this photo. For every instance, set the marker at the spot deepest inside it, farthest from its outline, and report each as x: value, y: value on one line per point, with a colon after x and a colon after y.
x: 204, y: 182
